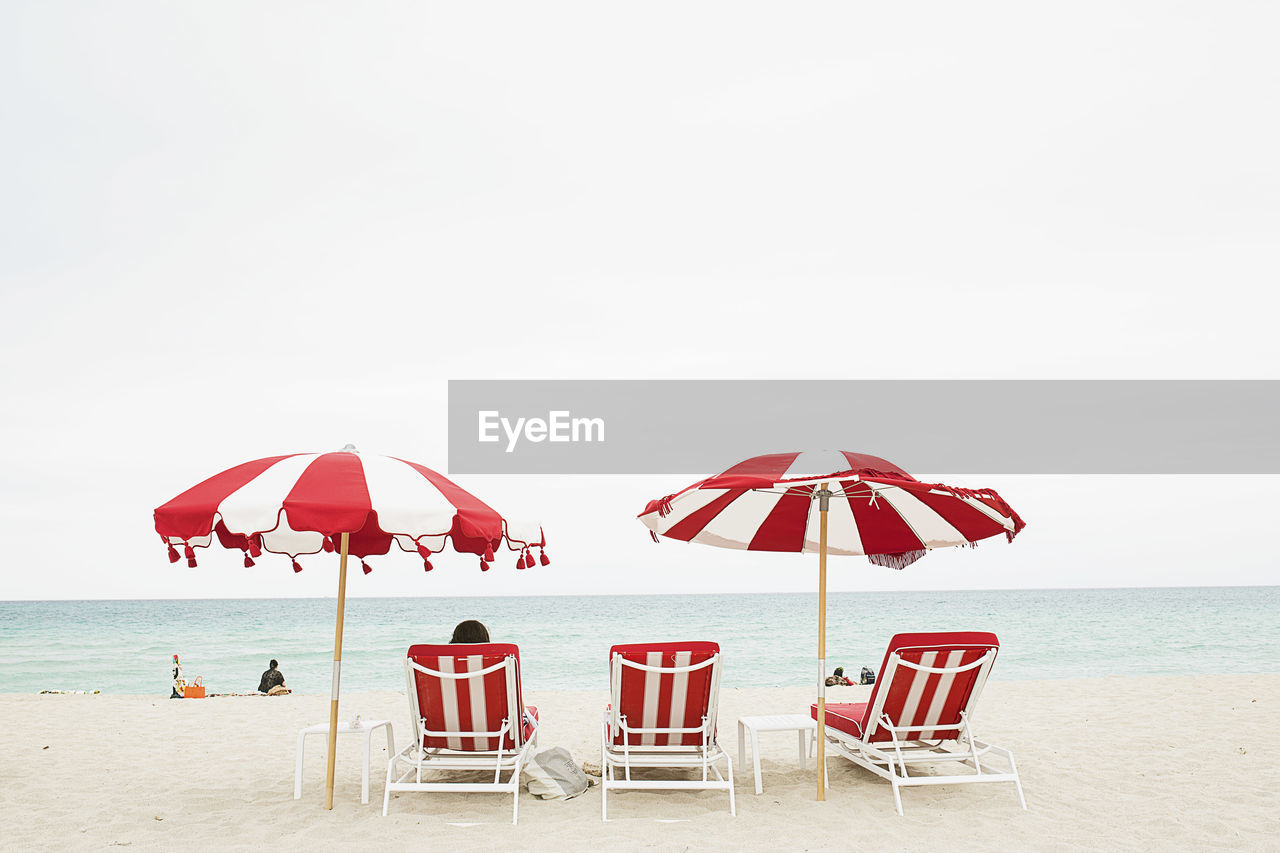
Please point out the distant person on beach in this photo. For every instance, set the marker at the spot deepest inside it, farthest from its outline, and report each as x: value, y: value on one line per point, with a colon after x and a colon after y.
x: 272, y: 682
x: 470, y: 631
x: 838, y: 678
x: 178, y: 684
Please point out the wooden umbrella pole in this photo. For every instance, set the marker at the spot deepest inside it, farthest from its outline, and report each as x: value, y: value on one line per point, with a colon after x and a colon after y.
x: 337, y: 673
x: 824, y: 497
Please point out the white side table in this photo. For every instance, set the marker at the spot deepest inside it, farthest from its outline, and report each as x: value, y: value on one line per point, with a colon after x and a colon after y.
x: 798, y: 723
x: 366, y: 729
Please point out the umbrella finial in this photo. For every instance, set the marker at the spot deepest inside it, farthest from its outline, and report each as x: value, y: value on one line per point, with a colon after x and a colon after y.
x: 349, y: 448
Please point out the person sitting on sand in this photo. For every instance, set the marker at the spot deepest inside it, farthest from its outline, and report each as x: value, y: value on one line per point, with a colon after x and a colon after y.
x: 839, y: 679
x: 272, y: 682
x: 470, y: 631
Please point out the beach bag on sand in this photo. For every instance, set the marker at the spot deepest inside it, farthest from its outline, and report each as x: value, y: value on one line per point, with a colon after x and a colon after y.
x: 553, y: 775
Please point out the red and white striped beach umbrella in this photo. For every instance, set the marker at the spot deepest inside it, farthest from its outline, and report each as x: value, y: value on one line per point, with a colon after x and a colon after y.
x: 829, y: 502
x: 307, y: 503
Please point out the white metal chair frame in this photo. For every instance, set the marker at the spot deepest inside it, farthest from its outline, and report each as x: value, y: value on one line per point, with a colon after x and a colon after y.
x: 702, y: 756
x: 419, y: 758
x: 909, y: 745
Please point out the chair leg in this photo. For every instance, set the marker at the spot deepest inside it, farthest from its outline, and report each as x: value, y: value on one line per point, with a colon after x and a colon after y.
x: 733, y: 808
x: 604, y: 782
x: 386, y: 791
x: 897, y: 797
x: 1017, y: 781
x: 515, y: 782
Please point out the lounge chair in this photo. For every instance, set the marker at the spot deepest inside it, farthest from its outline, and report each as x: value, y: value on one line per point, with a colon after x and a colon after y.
x: 921, y: 712
x: 467, y: 713
x: 662, y: 713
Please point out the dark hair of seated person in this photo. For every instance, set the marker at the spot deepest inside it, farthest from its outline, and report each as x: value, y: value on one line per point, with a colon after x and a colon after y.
x: 470, y: 631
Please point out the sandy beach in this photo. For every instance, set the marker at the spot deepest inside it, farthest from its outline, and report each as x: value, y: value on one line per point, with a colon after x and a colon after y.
x: 1122, y: 763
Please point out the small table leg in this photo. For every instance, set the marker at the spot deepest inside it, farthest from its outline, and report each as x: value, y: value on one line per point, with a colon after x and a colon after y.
x: 297, y: 770
x: 804, y: 745
x: 742, y: 747
x: 755, y: 759
x: 364, y: 771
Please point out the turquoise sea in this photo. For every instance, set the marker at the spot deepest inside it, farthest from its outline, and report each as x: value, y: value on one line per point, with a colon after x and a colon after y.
x: 768, y: 639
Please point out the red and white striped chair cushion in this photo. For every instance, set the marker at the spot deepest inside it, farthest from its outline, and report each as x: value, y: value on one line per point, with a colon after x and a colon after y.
x: 477, y: 704
x: 653, y: 700
x: 927, y: 703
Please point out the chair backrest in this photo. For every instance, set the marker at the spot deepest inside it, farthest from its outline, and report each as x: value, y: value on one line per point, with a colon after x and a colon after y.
x: 465, y: 696
x: 926, y: 681
x: 657, y: 686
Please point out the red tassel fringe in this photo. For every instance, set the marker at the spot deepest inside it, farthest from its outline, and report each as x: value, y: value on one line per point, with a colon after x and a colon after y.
x: 895, y: 561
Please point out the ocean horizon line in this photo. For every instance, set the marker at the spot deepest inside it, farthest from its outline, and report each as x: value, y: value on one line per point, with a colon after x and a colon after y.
x: 811, y: 593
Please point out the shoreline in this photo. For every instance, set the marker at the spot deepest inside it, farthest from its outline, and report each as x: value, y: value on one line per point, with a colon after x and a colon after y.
x: 787, y: 688
x: 1081, y: 680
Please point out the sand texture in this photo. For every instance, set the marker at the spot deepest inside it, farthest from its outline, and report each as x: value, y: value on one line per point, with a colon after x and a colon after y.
x: 1122, y: 763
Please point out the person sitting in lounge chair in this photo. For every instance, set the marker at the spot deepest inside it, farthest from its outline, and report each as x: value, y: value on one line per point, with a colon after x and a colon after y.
x: 466, y: 712
x: 470, y: 631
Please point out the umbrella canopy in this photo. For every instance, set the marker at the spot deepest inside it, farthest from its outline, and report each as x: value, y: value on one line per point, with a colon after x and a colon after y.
x: 298, y: 504
x: 308, y: 503
x: 876, y: 509
x: 829, y: 502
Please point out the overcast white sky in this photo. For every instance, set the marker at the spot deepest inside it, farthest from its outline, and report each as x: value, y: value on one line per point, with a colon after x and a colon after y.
x: 229, y: 230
